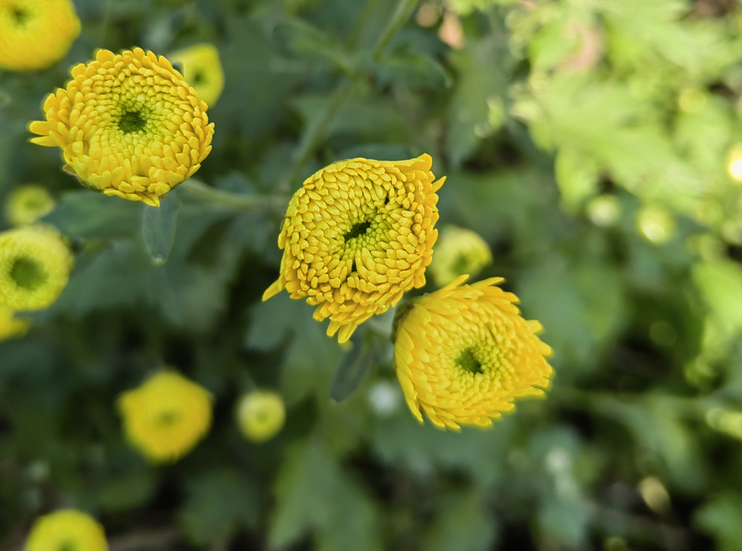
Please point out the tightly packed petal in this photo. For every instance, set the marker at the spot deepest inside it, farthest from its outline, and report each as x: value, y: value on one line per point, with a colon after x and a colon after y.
x: 357, y: 235
x: 35, y: 266
x: 66, y: 529
x: 202, y: 69
x: 260, y: 415
x: 463, y: 354
x: 129, y: 125
x: 166, y: 417
x: 459, y: 251
x: 26, y: 204
x: 35, y: 34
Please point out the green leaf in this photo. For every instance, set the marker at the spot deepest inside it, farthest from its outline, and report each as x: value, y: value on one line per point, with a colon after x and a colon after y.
x: 577, y: 177
x: 158, y: 228
x: 355, y: 365
x: 127, y: 491
x: 303, y: 39
x: 93, y: 215
x: 463, y: 524
x: 413, y: 70
x: 219, y: 504
x: 720, y: 518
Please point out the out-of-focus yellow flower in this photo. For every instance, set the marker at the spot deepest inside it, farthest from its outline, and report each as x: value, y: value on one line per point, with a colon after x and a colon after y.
x: 35, y: 266
x: 459, y: 251
x: 35, y: 34
x: 66, y: 530
x: 10, y: 326
x: 202, y: 69
x: 357, y: 235
x: 260, y: 415
x: 166, y: 416
x: 129, y: 125
x: 655, y: 223
x: 26, y: 204
x: 734, y: 162
x: 463, y: 354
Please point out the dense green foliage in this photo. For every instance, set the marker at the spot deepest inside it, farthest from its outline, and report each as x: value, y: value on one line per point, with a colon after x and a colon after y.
x: 588, y: 142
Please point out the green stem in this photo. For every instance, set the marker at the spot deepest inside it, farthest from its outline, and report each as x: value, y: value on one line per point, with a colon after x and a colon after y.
x: 236, y: 200
x: 401, y: 15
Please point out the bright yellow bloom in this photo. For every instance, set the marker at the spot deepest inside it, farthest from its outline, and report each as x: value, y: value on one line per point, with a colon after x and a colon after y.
x: 166, y: 417
x: 10, y: 326
x: 357, y: 235
x: 35, y: 34
x: 26, y: 204
x: 260, y: 415
x: 463, y: 354
x: 203, y: 70
x: 128, y: 125
x: 35, y: 266
x: 459, y: 251
x: 66, y: 530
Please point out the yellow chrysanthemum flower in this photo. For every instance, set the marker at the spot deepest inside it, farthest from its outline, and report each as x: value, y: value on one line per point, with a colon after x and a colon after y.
x: 459, y: 251
x: 10, y: 326
x: 26, y: 204
x: 260, y: 415
x: 166, y: 417
x: 35, y: 266
x: 463, y: 354
x: 35, y: 34
x: 66, y: 530
x: 357, y: 235
x: 129, y: 125
x: 203, y: 70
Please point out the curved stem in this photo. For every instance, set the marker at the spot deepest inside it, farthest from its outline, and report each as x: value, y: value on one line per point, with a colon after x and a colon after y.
x: 236, y: 200
x: 401, y: 15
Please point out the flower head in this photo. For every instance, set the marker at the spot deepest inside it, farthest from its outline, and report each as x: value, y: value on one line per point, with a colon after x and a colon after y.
x: 463, y: 354
x: 26, y: 204
x: 35, y: 34
x: 35, y: 265
x: 203, y: 69
x: 128, y: 125
x: 356, y: 236
x: 66, y: 529
x: 166, y: 417
x: 459, y: 251
x: 260, y: 415
x: 10, y: 326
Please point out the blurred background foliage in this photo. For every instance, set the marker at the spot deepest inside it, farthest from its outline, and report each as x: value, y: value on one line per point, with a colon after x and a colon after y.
x: 596, y: 146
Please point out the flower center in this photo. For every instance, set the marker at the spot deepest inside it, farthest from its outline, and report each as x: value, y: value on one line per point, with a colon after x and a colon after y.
x: 199, y: 78
x: 468, y: 361
x: 358, y: 229
x: 19, y: 16
x: 68, y: 546
x: 132, y: 121
x: 167, y: 418
x: 27, y: 274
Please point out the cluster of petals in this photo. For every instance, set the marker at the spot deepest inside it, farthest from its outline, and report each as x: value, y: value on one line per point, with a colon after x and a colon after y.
x: 66, y: 529
x: 356, y: 236
x: 463, y: 354
x: 128, y: 125
x: 166, y: 416
x: 35, y: 266
x: 35, y: 34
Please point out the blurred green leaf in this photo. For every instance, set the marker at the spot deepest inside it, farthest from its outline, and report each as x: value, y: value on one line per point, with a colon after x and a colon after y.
x: 127, y: 491
x: 158, y: 228
x: 464, y: 523
x: 577, y: 177
x: 301, y: 38
x: 416, y: 71
x: 720, y: 518
x: 88, y: 214
x: 365, y: 352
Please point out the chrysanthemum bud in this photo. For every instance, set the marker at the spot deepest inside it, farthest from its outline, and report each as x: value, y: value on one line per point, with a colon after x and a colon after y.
x: 166, y: 416
x: 35, y: 34
x: 128, y: 125
x: 459, y: 251
x: 357, y: 235
x: 260, y: 415
x: 463, y: 354
x: 66, y: 529
x: 26, y: 204
x: 202, y: 69
x: 10, y: 326
x: 35, y: 266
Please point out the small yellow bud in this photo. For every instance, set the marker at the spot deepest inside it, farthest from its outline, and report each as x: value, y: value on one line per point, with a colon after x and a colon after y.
x: 260, y: 415
x: 459, y: 251
x: 26, y: 204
